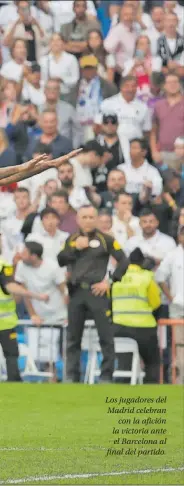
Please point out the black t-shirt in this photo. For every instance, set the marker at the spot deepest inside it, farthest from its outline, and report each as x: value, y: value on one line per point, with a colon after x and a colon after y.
x: 31, y: 47
x: 100, y: 174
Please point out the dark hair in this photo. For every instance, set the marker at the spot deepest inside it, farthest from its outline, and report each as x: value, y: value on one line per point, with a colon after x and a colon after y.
x: 34, y: 248
x: 22, y: 189
x: 170, y: 174
x: 101, y: 53
x: 59, y: 193
x: 136, y: 257
x: 125, y: 79
x: 47, y: 211
x: 94, y: 146
x: 122, y: 193
x: 147, y: 212
x: 142, y: 142
x: 77, y: 1
x: 157, y: 78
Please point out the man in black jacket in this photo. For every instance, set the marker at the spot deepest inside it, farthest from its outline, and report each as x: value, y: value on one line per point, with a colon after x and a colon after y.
x: 87, y: 254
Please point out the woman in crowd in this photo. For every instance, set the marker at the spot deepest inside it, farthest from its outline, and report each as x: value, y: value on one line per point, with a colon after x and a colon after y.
x: 61, y: 65
x: 142, y: 64
x: 106, y: 61
x: 17, y: 67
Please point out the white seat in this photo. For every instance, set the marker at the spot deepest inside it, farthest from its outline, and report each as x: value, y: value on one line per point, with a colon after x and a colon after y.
x: 90, y: 343
x: 31, y: 369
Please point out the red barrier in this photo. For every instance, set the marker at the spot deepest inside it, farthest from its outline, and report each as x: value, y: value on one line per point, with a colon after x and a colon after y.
x: 173, y: 323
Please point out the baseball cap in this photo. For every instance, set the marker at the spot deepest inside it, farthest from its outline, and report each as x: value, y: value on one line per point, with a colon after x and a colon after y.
x: 88, y: 61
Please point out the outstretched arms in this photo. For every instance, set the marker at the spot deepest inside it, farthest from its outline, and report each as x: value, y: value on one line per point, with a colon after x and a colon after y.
x: 39, y: 164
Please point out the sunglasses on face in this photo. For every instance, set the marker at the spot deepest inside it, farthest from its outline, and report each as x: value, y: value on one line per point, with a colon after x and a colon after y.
x: 110, y: 122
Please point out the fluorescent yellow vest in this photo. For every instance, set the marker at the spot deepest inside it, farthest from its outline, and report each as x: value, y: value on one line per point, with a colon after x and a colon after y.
x: 8, y: 316
x: 130, y: 306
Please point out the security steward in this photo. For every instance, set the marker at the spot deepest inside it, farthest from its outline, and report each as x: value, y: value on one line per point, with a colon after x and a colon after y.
x: 87, y: 254
x: 133, y: 301
x: 8, y: 317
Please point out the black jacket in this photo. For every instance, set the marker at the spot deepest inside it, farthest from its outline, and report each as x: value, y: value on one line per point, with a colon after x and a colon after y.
x: 90, y: 265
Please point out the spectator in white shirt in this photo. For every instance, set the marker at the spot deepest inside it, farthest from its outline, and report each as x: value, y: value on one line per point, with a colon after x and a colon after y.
x: 142, y: 20
x: 125, y: 225
x: 170, y: 275
x: 157, y: 28
x: 76, y: 194
x: 16, y: 67
x: 133, y: 115
x: 121, y: 39
x: 173, y: 6
x: 87, y: 163
x: 42, y: 274
x: 11, y: 229
x: 43, y: 192
x: 152, y: 242
x: 50, y: 237
x: 32, y: 89
x: 61, y: 65
x: 140, y: 172
x: 171, y: 46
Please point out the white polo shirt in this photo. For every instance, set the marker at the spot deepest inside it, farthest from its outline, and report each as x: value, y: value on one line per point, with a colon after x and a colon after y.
x: 11, y: 237
x: 133, y: 118
x: 171, y: 270
x: 119, y: 229
x: 51, y: 244
x: 78, y: 198
x: 135, y: 177
x: 12, y: 70
x: 83, y: 176
x: 44, y: 279
x: 66, y: 68
x: 156, y: 247
x: 36, y: 96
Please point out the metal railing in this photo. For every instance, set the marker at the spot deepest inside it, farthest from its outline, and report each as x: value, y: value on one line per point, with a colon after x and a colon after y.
x: 90, y: 324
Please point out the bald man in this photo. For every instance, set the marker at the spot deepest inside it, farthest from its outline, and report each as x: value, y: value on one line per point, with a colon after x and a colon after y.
x: 87, y: 253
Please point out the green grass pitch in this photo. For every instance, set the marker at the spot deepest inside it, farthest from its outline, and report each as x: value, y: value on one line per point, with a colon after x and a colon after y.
x: 50, y: 431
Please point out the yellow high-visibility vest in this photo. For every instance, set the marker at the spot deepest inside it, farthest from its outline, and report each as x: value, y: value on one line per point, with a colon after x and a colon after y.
x: 130, y: 305
x: 8, y: 316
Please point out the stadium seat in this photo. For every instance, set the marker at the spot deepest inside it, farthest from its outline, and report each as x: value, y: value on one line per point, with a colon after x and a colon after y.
x: 91, y: 343
x: 28, y: 369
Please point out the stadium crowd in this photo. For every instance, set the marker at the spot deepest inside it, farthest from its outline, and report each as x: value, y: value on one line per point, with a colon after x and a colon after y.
x: 107, y: 76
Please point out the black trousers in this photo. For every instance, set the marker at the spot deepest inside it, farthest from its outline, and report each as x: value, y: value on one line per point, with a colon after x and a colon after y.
x: 80, y: 303
x: 9, y: 345
x: 148, y: 348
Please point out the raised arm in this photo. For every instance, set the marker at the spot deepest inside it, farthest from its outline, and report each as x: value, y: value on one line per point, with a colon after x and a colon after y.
x: 32, y: 167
